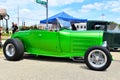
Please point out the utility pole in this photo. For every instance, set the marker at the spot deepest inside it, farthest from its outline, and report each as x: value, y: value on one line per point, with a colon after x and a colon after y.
x: 18, y: 15
x: 47, y: 14
x: 103, y: 17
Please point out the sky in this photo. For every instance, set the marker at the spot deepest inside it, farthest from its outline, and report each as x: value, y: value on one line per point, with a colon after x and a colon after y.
x: 31, y: 12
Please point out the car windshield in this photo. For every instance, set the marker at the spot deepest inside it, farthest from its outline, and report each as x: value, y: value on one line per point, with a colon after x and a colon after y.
x: 99, y: 27
x: 64, y: 24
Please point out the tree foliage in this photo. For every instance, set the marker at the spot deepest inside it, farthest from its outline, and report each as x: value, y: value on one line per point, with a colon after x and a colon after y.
x: 113, y: 22
x: 119, y: 25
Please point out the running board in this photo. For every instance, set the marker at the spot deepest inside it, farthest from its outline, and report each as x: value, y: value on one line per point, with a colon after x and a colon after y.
x: 77, y: 58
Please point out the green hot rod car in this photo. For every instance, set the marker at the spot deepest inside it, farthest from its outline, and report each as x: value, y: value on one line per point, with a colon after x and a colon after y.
x: 60, y: 43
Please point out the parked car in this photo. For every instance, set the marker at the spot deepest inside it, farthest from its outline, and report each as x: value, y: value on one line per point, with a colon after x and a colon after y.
x: 60, y: 43
x: 111, y: 32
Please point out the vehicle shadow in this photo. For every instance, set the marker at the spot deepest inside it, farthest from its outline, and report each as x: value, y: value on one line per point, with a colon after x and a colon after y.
x: 51, y: 59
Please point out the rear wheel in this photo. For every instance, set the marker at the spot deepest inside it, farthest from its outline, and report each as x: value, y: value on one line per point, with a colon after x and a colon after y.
x: 98, y: 58
x: 13, y: 49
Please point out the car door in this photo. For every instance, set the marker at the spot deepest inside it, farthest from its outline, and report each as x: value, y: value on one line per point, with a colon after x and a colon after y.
x: 45, y: 40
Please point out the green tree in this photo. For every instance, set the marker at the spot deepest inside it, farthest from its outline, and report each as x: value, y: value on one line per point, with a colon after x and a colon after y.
x: 113, y: 22
x: 119, y: 25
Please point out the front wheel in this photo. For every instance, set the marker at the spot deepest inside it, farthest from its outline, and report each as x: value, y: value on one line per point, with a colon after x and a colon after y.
x: 98, y: 58
x: 13, y: 49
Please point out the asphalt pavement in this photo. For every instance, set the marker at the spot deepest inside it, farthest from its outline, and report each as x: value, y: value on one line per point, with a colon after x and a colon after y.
x: 49, y: 68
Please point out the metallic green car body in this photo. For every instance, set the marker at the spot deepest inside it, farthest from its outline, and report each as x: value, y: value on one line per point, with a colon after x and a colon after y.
x: 63, y: 43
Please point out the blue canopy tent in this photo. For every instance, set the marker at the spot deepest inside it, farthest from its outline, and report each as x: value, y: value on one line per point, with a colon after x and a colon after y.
x: 63, y: 16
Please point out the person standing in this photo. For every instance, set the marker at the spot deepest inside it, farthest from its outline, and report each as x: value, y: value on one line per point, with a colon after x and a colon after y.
x: 0, y: 36
x: 73, y: 27
x: 14, y: 27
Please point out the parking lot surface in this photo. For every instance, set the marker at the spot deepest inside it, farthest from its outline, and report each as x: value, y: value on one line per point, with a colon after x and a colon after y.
x: 49, y: 68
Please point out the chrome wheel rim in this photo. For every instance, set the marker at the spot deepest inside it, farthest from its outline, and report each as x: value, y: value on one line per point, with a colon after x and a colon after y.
x: 10, y: 50
x: 97, y: 58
